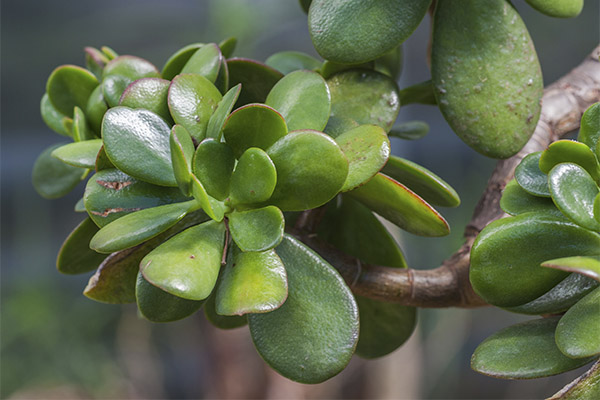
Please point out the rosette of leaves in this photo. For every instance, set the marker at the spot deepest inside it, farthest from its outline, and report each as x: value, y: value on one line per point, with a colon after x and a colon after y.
x: 195, y: 166
x: 545, y: 259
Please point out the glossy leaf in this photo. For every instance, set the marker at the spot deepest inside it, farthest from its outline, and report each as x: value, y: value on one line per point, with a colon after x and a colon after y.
x: 588, y: 266
x: 254, y: 125
x: 530, y: 177
x: 515, y: 200
x: 206, y: 61
x: 187, y: 265
x: 95, y: 109
x: 182, y: 152
x: 311, y: 170
x: 257, y: 79
x: 574, y: 191
x: 506, y: 256
x: 290, y: 61
x: 254, y: 178
x: 110, y: 194
x: 137, y: 142
x: 570, y: 151
x: 115, y: 280
x: 410, y: 130
x: 423, y: 182
x: 218, y: 118
x: 70, y: 86
x: 81, y: 130
x: 122, y: 71
x: 303, y: 99
x: 258, y: 229
x: 75, y: 255
x: 213, y: 165
x: 157, y: 305
x: 419, y: 93
x: 523, y: 351
x: 252, y: 282
x: 367, y: 149
x: 177, y: 61
x: 149, y: 94
x: 558, y: 299
x: 79, y: 154
x: 365, y: 97
x: 53, y: 178
x: 312, y: 336
x: 214, y: 208
x: 355, y: 31
x: 589, y: 131
x: 486, y: 75
x: 137, y: 227
x: 577, y: 331
x: 222, y: 321
x: 192, y: 100
x: 558, y: 8
x: 52, y: 117
x: 399, y: 205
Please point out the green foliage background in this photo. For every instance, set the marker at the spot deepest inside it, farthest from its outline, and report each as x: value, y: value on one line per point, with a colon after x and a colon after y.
x: 54, y: 340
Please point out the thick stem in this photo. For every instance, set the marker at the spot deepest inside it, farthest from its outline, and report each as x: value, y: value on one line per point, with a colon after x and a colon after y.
x: 563, y: 103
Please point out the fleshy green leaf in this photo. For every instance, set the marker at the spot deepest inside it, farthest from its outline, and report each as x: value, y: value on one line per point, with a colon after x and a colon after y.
x: 206, y: 61
x: 577, y: 331
x: 401, y: 206
x: 588, y: 266
x: 257, y: 230
x: 311, y: 170
x: 95, y: 109
x: 423, y: 182
x: 52, y: 117
x: 523, y: 351
x: 182, y: 152
x: 330, y: 68
x: 102, y: 161
x: 390, y: 63
x: 515, y: 200
x: 53, y: 178
x: 214, y: 208
x: 95, y: 61
x: 177, y: 61
x: 585, y: 387
x: 222, y: 321
x: 574, y: 191
x: 81, y: 130
x: 187, y: 265
x: 419, y: 93
x: 376, y: 27
x: 367, y: 149
x: 506, y: 256
x: 149, y: 94
x: 137, y: 142
x: 312, y: 336
x: 217, y: 120
x: 157, y: 305
x: 75, y: 255
x: 411, y: 130
x: 79, y: 154
x: 253, y: 282
x: 137, y: 227
x: 558, y: 8
x: 257, y: 79
x: 227, y: 46
x: 290, y: 61
x: 490, y: 101
x: 110, y: 194
x: 254, y: 125
x: 213, y: 165
x: 530, y: 177
x: 109, y: 53
x: 122, y: 71
x: 79, y: 206
x: 192, y: 100
x: 589, y: 131
x: 70, y: 86
x: 254, y: 178
x: 570, y: 151
x: 364, y: 97
x: 303, y: 99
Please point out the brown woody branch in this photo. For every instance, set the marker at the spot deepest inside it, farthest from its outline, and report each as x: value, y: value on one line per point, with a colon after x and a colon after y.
x: 563, y: 103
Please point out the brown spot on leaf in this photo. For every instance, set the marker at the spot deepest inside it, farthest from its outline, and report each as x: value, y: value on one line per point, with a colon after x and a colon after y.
x: 109, y: 211
x: 114, y: 185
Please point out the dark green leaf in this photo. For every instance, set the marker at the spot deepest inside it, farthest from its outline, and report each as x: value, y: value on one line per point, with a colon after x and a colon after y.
x: 75, y: 255
x: 289, y: 61
x: 176, y: 62
x: 52, y: 117
x: 577, y: 331
x: 70, y: 86
x: 530, y: 177
x: 213, y: 165
x: 81, y: 129
x: 122, y: 71
x: 217, y: 120
x: 257, y: 230
x: 257, y: 79
x: 227, y: 46
x: 149, y: 94
x: 95, y: 109
x: 419, y: 93
x: 206, y: 61
x: 53, y: 178
x: 516, y: 201
x: 222, y: 321
x: 410, y: 130
x: 182, y: 152
x: 79, y: 154
x: 589, y: 131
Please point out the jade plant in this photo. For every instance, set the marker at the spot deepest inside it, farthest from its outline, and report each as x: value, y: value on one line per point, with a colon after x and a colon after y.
x: 207, y: 178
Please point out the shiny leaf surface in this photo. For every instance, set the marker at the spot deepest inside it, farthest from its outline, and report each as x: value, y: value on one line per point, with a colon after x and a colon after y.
x: 211, y: 206
x: 588, y: 266
x: 182, y: 153
x: 70, y: 86
x: 206, y: 61
x: 258, y: 229
x: 149, y: 94
x: 589, y: 131
x: 254, y: 178
x: 570, y: 151
x: 213, y: 165
x: 217, y: 120
x: 530, y: 177
x: 577, y: 331
x: 121, y: 72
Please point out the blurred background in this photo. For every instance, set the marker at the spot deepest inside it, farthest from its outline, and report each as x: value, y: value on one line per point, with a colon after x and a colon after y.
x: 56, y: 343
